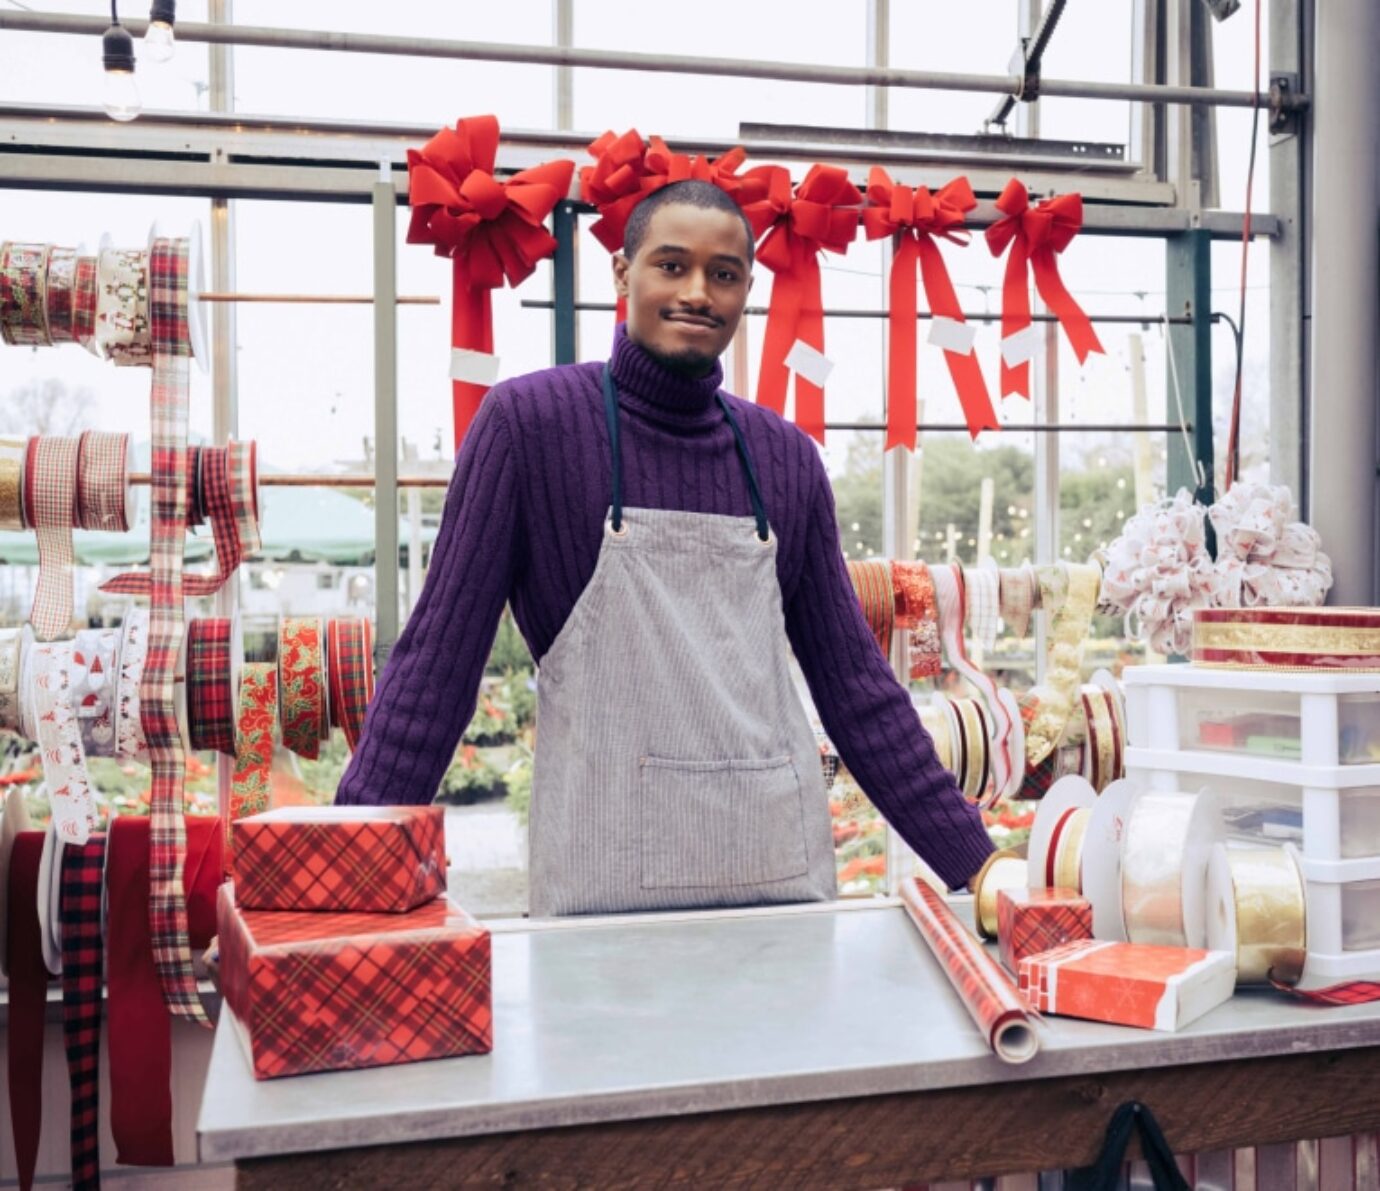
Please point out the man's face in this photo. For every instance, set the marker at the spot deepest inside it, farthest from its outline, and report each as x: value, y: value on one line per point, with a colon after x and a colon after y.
x: 687, y: 285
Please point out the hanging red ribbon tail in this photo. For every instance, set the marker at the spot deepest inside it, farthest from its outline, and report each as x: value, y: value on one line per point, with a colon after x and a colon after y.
x: 809, y: 397
x: 1062, y: 304
x: 901, y: 399
x: 471, y: 328
x: 964, y: 369
x: 783, y: 318
x: 1015, y: 316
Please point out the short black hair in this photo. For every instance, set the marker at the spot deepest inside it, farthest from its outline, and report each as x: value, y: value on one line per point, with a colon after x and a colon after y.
x: 691, y: 193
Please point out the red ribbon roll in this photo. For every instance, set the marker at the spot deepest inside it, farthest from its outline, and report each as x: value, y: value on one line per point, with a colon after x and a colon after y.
x: 915, y: 217
x: 1035, y: 235
x: 822, y: 213
x: 491, y: 230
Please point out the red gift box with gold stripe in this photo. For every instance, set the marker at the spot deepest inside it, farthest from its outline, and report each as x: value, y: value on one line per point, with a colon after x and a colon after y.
x: 1300, y: 639
x: 327, y: 992
x: 337, y: 858
x: 1032, y: 921
x: 1128, y: 984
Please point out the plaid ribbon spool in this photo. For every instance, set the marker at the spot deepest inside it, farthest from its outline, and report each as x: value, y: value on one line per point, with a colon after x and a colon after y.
x: 982, y: 599
x: 11, y: 653
x: 84, y: 303
x: 916, y: 612
x: 210, y: 697
x: 350, y: 650
x: 876, y: 593
x: 12, y: 453
x: 303, y: 700
x: 171, y: 352
x: 124, y: 330
x: 50, y: 719
x: 50, y: 500
x: 256, y: 716
x: 1019, y: 596
x: 244, y: 485
x: 23, y: 297
x: 1002, y: 1014
x: 82, y: 962
x: 95, y: 680
x: 104, y: 496
x: 130, y: 744
x: 62, y: 277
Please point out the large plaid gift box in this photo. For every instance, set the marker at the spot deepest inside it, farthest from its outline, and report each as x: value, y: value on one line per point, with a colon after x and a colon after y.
x: 312, y: 991
x: 1128, y: 984
x: 373, y: 858
x: 1030, y: 921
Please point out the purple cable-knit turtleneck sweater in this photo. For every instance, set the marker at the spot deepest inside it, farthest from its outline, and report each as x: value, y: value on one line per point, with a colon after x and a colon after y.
x: 523, y: 523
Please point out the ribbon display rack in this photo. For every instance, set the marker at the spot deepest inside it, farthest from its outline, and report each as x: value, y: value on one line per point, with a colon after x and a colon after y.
x: 1293, y: 759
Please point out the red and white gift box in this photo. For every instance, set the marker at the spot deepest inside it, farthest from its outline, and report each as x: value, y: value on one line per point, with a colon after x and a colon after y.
x: 1032, y: 921
x: 1128, y: 984
x: 340, y: 858
x: 314, y: 991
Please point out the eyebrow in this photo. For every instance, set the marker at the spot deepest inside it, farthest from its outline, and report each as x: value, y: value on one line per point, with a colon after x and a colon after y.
x: 718, y: 256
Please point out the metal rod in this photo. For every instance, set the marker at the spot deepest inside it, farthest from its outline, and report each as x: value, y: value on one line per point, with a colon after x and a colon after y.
x: 799, y: 72
x: 1025, y: 428
x: 385, y: 417
x: 315, y: 299
x: 972, y: 317
x: 362, y: 479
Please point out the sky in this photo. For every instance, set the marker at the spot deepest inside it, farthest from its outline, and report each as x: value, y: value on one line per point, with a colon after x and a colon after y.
x: 306, y: 373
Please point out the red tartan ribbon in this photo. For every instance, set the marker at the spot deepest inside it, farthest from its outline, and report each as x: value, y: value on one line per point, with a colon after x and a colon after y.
x: 491, y: 230
x: 210, y: 694
x: 822, y: 213
x: 915, y: 217
x: 1036, y: 234
x: 350, y: 650
x: 82, y: 962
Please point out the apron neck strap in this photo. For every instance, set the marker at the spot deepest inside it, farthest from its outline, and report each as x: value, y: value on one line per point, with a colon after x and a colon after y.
x: 759, y: 511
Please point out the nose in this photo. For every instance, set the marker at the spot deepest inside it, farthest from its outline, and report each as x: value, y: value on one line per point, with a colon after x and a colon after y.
x: 694, y: 291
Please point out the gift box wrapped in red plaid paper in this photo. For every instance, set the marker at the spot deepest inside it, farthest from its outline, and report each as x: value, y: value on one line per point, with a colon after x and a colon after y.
x: 380, y: 859
x: 1031, y: 921
x: 312, y: 991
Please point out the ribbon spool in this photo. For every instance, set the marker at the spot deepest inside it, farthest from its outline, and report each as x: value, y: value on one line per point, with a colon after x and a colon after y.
x: 12, y: 645
x: 1164, y: 858
x: 23, y: 294
x: 1102, y: 842
x: 975, y: 769
x: 934, y: 718
x: 1257, y: 911
x: 95, y: 680
x: 130, y: 744
x: 1058, y: 837
x: 304, y: 705
x: 12, y: 454
x: 1003, y: 870
x: 917, y: 613
x: 876, y: 592
x: 1103, y: 758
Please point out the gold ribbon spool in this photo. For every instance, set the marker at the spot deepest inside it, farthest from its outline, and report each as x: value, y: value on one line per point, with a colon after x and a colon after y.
x: 12, y: 452
x: 1068, y: 851
x: 1257, y: 910
x: 973, y: 725
x: 935, y: 721
x: 1003, y: 870
x: 1101, y: 739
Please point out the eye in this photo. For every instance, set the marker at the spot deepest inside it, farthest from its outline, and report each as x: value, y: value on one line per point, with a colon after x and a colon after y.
x: 669, y: 266
x: 727, y: 276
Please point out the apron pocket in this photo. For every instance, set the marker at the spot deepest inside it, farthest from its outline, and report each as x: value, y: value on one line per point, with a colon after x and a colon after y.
x: 720, y: 823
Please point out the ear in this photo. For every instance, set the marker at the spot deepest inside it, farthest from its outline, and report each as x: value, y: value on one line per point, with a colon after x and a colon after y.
x: 620, y: 274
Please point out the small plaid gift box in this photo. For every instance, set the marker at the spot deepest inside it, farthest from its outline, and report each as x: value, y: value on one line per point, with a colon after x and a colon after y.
x: 1030, y: 921
x: 1128, y: 984
x: 326, y: 992
x: 371, y: 858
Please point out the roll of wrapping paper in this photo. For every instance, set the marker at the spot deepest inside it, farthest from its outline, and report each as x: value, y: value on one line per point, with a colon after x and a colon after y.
x: 23, y: 296
x: 1164, y: 857
x: 1256, y: 911
x: 1071, y: 591
x: 210, y: 697
x: 1002, y: 1014
x: 12, y: 452
x: 256, y: 717
x: 917, y: 614
x: 935, y: 721
x: 302, y: 692
x: 877, y: 594
x: 11, y: 655
x: 1104, y: 755
x: 350, y: 647
x: 974, y: 748
x: 123, y: 326
x: 1287, y: 639
x: 62, y: 276
x: 1003, y: 870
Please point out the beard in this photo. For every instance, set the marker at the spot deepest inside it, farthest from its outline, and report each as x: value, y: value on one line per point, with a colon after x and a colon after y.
x: 688, y: 363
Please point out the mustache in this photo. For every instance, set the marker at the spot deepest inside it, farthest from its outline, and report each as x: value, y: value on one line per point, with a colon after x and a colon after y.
x: 707, y: 314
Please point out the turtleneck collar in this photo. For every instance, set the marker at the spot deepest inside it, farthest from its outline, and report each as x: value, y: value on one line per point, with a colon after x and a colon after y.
x: 649, y: 384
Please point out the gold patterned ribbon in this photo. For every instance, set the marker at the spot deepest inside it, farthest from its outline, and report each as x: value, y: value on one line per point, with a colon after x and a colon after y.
x: 1104, y: 754
x: 1288, y: 639
x: 973, y: 748
x: 876, y: 593
x: 1068, y: 592
x: 12, y: 452
x: 1003, y: 870
x: 256, y: 716
x: 11, y: 654
x: 935, y: 721
x: 304, y: 708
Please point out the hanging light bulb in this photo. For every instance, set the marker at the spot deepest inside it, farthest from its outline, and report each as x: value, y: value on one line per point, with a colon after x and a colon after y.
x: 158, y: 40
x: 120, y: 97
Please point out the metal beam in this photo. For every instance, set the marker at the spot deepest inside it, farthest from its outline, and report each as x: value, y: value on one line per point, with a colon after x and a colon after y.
x: 1188, y: 265
x: 659, y: 63
x: 565, y: 228
x: 385, y: 419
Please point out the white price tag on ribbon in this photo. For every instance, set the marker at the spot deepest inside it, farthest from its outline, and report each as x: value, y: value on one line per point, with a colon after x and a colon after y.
x: 952, y: 335
x: 474, y: 368
x: 1021, y: 347
x: 809, y: 362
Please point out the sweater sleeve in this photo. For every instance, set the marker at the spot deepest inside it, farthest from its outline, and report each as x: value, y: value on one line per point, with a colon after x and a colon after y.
x: 428, y: 689
x: 867, y: 713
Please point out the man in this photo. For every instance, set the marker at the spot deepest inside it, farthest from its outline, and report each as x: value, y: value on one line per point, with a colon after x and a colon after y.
x: 662, y: 545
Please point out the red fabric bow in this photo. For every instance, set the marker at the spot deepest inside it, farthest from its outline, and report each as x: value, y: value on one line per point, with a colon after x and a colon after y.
x: 916, y: 216
x: 822, y: 213
x: 626, y: 170
x: 1036, y: 234
x: 491, y: 230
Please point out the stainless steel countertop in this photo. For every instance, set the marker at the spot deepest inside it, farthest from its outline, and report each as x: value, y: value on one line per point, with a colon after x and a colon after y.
x: 615, y: 1019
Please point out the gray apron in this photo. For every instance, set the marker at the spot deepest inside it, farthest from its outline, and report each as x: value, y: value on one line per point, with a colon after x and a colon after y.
x: 675, y: 766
